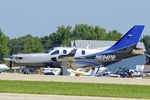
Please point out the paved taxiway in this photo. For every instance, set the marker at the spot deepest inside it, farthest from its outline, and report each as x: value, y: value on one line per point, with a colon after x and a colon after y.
x: 85, y: 79
x: 12, y: 96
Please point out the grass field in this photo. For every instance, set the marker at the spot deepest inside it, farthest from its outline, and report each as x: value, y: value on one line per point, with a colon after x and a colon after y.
x: 81, y: 89
x: 147, y: 77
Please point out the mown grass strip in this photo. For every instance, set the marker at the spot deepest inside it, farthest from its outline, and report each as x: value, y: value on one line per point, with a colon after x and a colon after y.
x: 80, y: 89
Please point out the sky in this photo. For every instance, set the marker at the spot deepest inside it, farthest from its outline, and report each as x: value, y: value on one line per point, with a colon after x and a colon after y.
x: 42, y: 17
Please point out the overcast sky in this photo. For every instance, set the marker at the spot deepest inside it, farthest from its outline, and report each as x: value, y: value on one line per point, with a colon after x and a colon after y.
x: 41, y: 17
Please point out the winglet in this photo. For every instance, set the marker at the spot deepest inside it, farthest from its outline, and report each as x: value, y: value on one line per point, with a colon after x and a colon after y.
x: 131, y: 38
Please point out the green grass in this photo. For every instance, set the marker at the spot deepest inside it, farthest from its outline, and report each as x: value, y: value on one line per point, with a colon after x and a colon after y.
x: 147, y: 78
x: 82, y: 89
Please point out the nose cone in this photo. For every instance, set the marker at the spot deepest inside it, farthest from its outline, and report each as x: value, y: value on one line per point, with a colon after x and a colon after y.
x: 8, y: 58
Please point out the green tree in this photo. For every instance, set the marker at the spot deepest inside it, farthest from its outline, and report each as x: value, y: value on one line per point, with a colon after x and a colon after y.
x: 33, y: 44
x: 26, y: 44
x: 88, y: 32
x: 4, y: 51
x: 18, y: 43
x: 46, y: 42
x: 101, y: 33
x: 61, y: 37
x: 146, y: 40
x: 113, y: 35
x: 64, y: 35
x: 81, y: 31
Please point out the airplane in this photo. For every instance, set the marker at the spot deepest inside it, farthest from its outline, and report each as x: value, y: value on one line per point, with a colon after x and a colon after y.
x: 86, y: 71
x: 72, y: 57
x: 3, y: 67
x: 122, y: 49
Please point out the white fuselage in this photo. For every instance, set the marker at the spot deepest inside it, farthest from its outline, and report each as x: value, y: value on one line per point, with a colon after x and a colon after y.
x: 50, y: 56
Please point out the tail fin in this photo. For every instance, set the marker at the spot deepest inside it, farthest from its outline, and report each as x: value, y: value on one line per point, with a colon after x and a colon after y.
x: 131, y: 38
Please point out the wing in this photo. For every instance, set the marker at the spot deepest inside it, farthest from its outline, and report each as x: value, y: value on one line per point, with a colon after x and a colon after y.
x: 68, y: 59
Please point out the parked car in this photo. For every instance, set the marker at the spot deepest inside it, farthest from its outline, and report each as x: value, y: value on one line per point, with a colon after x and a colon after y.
x: 26, y: 71
x: 136, y: 73
x: 108, y: 74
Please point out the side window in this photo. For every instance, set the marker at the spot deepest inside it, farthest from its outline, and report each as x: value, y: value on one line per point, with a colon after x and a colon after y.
x: 83, y: 52
x: 18, y: 58
x: 55, y: 52
x: 64, y: 51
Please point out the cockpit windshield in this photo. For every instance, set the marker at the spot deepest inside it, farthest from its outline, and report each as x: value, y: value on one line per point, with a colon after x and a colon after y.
x: 49, y: 50
x: 55, y: 52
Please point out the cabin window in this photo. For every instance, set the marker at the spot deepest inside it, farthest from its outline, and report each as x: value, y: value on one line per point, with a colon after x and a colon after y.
x: 18, y: 58
x: 64, y: 51
x: 55, y: 52
x: 49, y: 50
x: 83, y: 52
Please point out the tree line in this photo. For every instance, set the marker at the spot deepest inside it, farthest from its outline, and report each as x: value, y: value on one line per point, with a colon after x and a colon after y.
x: 62, y: 37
